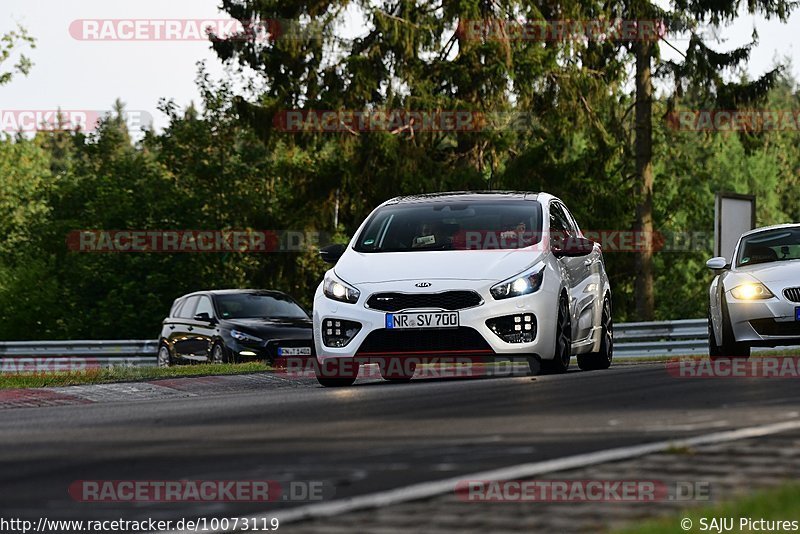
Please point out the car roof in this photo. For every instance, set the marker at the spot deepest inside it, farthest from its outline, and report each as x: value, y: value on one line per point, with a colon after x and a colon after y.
x: 773, y: 227
x: 466, y: 195
x: 235, y: 292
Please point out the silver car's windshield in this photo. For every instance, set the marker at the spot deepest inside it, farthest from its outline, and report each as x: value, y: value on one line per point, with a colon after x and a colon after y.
x: 780, y: 244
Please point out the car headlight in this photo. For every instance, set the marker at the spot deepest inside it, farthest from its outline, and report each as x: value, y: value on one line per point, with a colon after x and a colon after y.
x: 751, y: 291
x: 522, y: 284
x: 337, y: 289
x: 241, y: 336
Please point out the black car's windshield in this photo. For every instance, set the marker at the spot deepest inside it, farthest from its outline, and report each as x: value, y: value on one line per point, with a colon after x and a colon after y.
x: 258, y: 305
x: 781, y: 244
x: 453, y: 225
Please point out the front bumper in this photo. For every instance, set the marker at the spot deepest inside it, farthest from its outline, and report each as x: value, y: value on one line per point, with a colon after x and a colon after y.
x: 267, y: 350
x: 770, y: 322
x: 473, y: 337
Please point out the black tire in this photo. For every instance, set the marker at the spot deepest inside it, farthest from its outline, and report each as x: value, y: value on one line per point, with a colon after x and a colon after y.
x: 602, y: 359
x: 535, y: 365
x: 218, y: 354
x: 337, y: 372
x: 397, y: 370
x: 730, y: 348
x: 164, y: 356
x: 563, y: 353
x: 714, y: 350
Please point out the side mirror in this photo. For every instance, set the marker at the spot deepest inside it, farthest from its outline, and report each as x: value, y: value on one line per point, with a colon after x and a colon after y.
x: 718, y: 264
x: 332, y: 253
x: 572, y: 247
x: 203, y: 316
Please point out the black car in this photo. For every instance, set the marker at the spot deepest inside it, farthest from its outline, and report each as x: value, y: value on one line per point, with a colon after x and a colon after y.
x: 234, y: 325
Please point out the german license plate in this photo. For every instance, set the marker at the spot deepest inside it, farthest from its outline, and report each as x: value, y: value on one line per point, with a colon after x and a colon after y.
x: 797, y: 313
x: 294, y: 351
x: 422, y: 320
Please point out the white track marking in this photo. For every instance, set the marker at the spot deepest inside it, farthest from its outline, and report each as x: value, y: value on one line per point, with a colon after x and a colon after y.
x: 427, y: 490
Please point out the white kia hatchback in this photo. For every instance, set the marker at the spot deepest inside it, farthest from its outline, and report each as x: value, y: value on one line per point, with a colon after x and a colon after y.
x: 475, y: 274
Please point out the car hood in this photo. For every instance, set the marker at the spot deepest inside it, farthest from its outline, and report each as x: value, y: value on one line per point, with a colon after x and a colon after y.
x: 782, y: 271
x: 271, y: 328
x: 495, y: 265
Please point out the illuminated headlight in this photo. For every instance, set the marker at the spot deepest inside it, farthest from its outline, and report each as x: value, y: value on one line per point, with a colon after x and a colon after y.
x: 522, y: 284
x: 337, y: 289
x: 751, y: 291
x: 241, y: 336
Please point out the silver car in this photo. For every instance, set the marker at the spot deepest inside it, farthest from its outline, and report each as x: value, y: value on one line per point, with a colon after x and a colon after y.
x: 755, y: 298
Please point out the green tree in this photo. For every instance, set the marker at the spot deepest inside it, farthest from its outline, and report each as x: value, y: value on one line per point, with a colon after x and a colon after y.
x: 10, y: 44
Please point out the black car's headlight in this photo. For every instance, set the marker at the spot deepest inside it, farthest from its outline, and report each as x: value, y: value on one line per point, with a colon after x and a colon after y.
x: 522, y: 284
x: 242, y: 336
x: 337, y: 289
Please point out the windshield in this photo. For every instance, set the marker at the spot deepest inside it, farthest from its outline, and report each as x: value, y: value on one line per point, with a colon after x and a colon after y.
x: 258, y: 305
x: 456, y: 225
x: 782, y: 244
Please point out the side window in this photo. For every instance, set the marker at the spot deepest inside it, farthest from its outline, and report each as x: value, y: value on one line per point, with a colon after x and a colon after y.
x: 556, y: 221
x: 175, y: 307
x: 559, y: 224
x: 187, y: 310
x: 204, y: 306
x: 573, y: 227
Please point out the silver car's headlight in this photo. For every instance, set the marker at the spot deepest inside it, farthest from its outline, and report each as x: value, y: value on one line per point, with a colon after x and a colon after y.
x: 751, y: 291
x: 522, y: 284
x: 337, y: 289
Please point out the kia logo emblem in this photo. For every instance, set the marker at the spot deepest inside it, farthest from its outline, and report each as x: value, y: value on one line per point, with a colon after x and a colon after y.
x: 423, y: 284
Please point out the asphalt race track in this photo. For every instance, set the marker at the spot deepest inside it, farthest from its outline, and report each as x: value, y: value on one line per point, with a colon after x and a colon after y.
x: 370, y: 437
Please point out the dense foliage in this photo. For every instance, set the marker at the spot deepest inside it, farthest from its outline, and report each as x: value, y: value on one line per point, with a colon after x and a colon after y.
x: 223, y: 165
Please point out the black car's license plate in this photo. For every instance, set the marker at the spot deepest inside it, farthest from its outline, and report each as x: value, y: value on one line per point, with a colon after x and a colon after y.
x: 294, y: 351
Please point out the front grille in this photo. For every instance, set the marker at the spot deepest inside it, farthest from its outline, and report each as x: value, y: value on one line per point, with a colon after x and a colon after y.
x: 446, y: 300
x: 792, y: 293
x: 771, y: 327
x: 457, y: 340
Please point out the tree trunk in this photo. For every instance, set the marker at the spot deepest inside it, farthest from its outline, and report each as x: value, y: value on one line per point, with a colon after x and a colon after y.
x: 643, y: 149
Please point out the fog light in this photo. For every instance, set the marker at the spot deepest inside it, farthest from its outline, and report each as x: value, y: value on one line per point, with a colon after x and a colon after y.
x: 519, y: 328
x: 338, y: 332
x: 247, y: 353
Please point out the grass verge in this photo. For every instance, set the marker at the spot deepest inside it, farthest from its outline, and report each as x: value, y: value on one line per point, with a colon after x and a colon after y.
x: 776, y: 504
x: 124, y: 374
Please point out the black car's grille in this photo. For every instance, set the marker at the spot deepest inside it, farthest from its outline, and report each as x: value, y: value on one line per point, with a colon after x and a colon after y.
x: 792, y: 293
x: 458, y: 340
x: 446, y: 300
x: 771, y: 327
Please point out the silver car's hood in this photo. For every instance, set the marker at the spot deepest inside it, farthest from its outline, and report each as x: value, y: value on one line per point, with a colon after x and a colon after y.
x: 785, y: 273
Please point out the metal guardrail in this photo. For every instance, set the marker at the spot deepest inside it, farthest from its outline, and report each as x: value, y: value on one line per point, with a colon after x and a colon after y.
x: 659, y: 338
x: 631, y: 340
x: 21, y: 356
